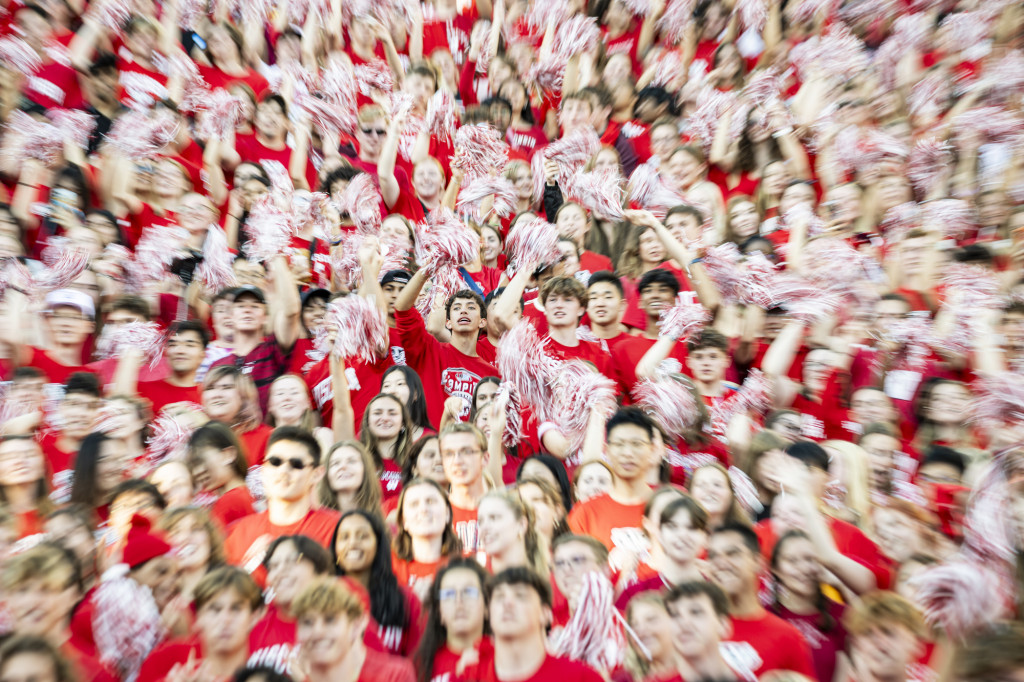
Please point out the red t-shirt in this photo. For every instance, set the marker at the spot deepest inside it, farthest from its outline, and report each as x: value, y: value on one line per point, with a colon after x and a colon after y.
x: 613, y: 523
x: 587, y: 351
x: 165, y: 656
x: 825, y: 646
x: 54, y: 85
x: 444, y: 370
x: 554, y: 668
x: 591, y: 262
x: 140, y: 87
x: 233, y: 505
x: 318, y: 524
x: 60, y: 464
x: 410, y: 573
x: 626, y: 355
x: 767, y: 643
x: 527, y: 142
x: 380, y: 667
x: 254, y: 442
x: 446, y: 661
x: 86, y: 666
x: 271, y: 640
x: 625, y: 44
x: 251, y: 149
x: 464, y: 524
x: 55, y: 372
x: 390, y: 480
x: 161, y: 393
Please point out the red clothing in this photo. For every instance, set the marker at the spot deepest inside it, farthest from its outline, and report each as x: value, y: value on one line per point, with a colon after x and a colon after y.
x: 451, y: 34
x: 591, y: 262
x: 87, y: 667
x: 584, y: 350
x: 60, y: 465
x: 218, y: 79
x: 251, y: 149
x: 487, y: 279
x: 165, y: 656
x: 464, y: 523
x: 55, y: 372
x: 271, y: 640
x: 390, y: 480
x: 233, y: 505
x: 554, y: 668
x: 379, y: 667
x: 446, y: 661
x: 825, y: 646
x: 410, y: 573
x: 54, y: 84
x: 767, y: 643
x: 613, y: 523
x: 627, y: 353
x: 140, y: 87
x: 444, y: 370
x: 161, y: 393
x: 526, y: 142
x: 403, y: 640
x: 254, y: 443
x: 745, y: 185
x: 318, y: 524
x: 625, y: 44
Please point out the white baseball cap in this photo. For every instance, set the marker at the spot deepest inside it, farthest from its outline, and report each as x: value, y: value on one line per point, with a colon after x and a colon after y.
x: 71, y: 298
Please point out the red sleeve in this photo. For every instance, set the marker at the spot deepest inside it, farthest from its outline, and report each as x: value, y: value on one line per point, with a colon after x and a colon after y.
x: 466, y: 90
x: 419, y: 345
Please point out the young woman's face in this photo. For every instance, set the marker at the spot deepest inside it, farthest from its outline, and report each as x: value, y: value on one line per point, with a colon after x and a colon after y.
x: 681, y: 541
x: 356, y: 545
x: 594, y: 480
x: 710, y: 487
x: 345, y: 471
x: 427, y: 179
x: 394, y: 228
x: 796, y: 194
x: 498, y: 527
x: 288, y: 400
x: 651, y: 249
x: 123, y: 419
x: 766, y: 468
x: 462, y: 608
x: 653, y: 627
x: 424, y: 513
x: 385, y: 419
x: 174, y: 481
x: 607, y: 160
x: 545, y: 515
x: 288, y: 574
x: 161, y: 575
x: 798, y: 568
x: 111, y: 466
x: 572, y: 222
x: 428, y: 464
x: 774, y: 179
x: 684, y: 169
x: 395, y: 384
x: 491, y: 244
x: 485, y: 394
x: 191, y: 542
x: 744, y: 220
x: 222, y: 400
x: 948, y: 404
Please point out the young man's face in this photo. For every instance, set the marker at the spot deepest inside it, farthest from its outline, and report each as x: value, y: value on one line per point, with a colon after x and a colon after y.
x: 562, y: 311
x: 248, y: 315
x: 734, y: 568
x: 313, y: 313
x: 465, y: 317
x: 224, y: 623
x: 289, y: 472
x: 881, y: 449
x: 327, y: 639
x: 655, y: 298
x: 708, y: 364
x: 605, y: 304
x: 391, y: 292
x: 421, y: 88
x: 697, y: 628
x: 516, y: 611
x: 78, y: 413
x: 462, y: 458
x: 270, y: 120
x: 629, y: 451
x: 68, y: 325
x: 575, y: 113
x: 185, y: 352
x: 870, y: 405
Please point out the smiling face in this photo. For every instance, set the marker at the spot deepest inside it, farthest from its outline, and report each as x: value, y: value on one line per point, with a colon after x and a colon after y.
x: 498, y: 526
x: 288, y: 574
x: 655, y: 298
x: 490, y: 242
x: 593, y: 480
x: 734, y: 567
x: 385, y: 418
x: 797, y: 567
x: 572, y: 222
x: 708, y: 364
x: 424, y: 513
x: 743, y: 219
x: 21, y: 462
x: 680, y: 539
x: 41, y: 605
x: 222, y: 401
x: 463, y: 458
x: 885, y: 650
x: 172, y: 479
x: 327, y: 639
x: 629, y: 451
x: 356, y: 544
x: 429, y: 464
x: 68, y: 325
x: 191, y: 542
x: 162, y: 576
x: 710, y: 487
x: 288, y: 400
x: 605, y: 304
x: 345, y: 470
x: 185, y: 352
x: 427, y: 179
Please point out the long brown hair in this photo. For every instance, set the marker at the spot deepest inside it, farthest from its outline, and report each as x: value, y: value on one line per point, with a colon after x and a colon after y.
x: 372, y: 443
x: 451, y: 546
x: 310, y: 418
x: 249, y: 415
x: 368, y: 494
x: 535, y: 552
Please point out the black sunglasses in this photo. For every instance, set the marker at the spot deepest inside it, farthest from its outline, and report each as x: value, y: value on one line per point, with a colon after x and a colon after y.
x: 380, y: 132
x: 296, y: 463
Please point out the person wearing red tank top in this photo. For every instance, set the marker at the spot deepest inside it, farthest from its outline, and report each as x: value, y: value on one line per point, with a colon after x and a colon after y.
x: 520, y: 610
x: 331, y: 621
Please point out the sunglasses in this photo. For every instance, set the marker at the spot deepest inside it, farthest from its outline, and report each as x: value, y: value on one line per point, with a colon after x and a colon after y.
x: 296, y: 463
x: 379, y: 132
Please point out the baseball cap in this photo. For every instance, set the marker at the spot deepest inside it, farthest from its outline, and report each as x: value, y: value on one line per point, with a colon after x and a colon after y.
x: 400, y: 276
x: 71, y: 298
x: 314, y: 293
x: 250, y: 290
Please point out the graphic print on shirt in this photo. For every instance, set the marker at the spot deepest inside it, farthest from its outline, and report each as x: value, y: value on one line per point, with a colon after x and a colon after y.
x: 459, y: 383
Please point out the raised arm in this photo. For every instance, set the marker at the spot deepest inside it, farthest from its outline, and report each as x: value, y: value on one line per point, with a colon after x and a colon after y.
x: 779, y: 358
x: 389, y: 188
x: 411, y: 291
x: 507, y: 305
x: 287, y: 304
x: 343, y: 417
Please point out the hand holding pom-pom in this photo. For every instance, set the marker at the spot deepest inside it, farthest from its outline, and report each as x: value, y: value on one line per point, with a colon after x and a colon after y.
x: 598, y: 191
x: 442, y: 118
x: 361, y: 328
x: 444, y: 240
x: 683, y: 319
x: 216, y: 271
x: 145, y: 337
x: 479, y: 149
x: 532, y: 243
x: 473, y: 194
x: 670, y: 400
x: 269, y: 229
x: 362, y: 200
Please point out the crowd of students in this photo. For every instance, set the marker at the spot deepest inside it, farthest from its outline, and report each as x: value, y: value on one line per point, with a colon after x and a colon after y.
x: 511, y: 340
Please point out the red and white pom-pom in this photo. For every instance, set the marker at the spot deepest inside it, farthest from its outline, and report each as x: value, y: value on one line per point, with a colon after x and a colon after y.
x: 326, y: 115
x: 647, y: 188
x: 722, y: 263
x: 638, y: 8
x: 976, y: 286
x: 926, y: 98
x: 670, y: 70
x: 684, y: 318
x: 671, y: 403
x: 577, y: 389
x: 374, y: 76
x: 402, y: 103
x: 74, y: 125
x: 834, y: 265
x: 362, y: 201
x: 546, y: 75
x: 994, y: 124
x: 1009, y: 72
x: 222, y: 113
x: 169, y: 437
x: 805, y: 11
x: 155, y: 251
x: 963, y: 596
x: 442, y: 118
x: 764, y: 86
x: 998, y: 400
x: 112, y: 14
x: 574, y: 149
x: 990, y: 529
x: 577, y: 35
x: 712, y: 104
x: 953, y: 217
x: 29, y: 138
x: 594, y: 634
x: 190, y: 12
x: 508, y: 393
x: 966, y: 29
x: 804, y: 299
x: 345, y: 259
x: 501, y: 189
x: 753, y: 14
x: 444, y: 240
x: 362, y: 328
x: 523, y: 361
x: 269, y: 230
x: 147, y: 337
x: 899, y: 220
x: 17, y: 55
x: 63, y: 264
x: 755, y: 395
x: 126, y: 624
x: 745, y: 491
x: 134, y: 136
x: 445, y: 282
x: 533, y: 243
x: 479, y: 150
x: 930, y: 160
x: 544, y: 13
x: 216, y: 271
x: 599, y: 191
x: 678, y: 15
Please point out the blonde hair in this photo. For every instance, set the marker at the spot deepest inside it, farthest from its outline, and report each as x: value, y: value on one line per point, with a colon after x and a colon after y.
x: 883, y: 607
x: 535, y: 551
x: 310, y: 418
x: 328, y: 597
x: 46, y: 562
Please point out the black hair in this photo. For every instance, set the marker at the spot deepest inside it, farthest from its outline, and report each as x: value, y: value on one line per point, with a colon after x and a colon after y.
x: 83, y: 382
x: 697, y: 588
x: 217, y: 436
x: 746, y: 533
x: 309, y: 549
x: 606, y: 277
x: 435, y: 634
x: 342, y: 173
x: 137, y: 485
x: 278, y: 100
x: 84, y: 490
x: 698, y: 515
x: 467, y: 295
x: 133, y: 304
x: 110, y: 218
x: 660, y: 95
x: 412, y: 459
x: 810, y: 453
x: 494, y: 295
x: 476, y: 389
x: 263, y: 673
x: 686, y: 209
x: 387, y: 600
x: 417, y: 405
x: 182, y: 326
x: 630, y: 415
x: 27, y: 372
x: 658, y: 276
x: 555, y: 466
x: 295, y: 434
x: 826, y: 623
x: 520, y: 575
x: 941, y: 454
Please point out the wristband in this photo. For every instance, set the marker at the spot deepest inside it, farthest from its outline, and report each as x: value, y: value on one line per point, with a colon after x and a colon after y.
x: 337, y: 242
x: 544, y: 428
x: 782, y: 133
x: 697, y: 260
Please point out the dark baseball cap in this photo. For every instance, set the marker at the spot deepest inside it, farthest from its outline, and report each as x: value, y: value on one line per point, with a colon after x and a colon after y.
x: 310, y: 294
x: 250, y: 290
x: 400, y: 276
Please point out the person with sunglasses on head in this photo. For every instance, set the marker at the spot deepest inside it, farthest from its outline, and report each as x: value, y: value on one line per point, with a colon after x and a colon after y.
x: 290, y: 473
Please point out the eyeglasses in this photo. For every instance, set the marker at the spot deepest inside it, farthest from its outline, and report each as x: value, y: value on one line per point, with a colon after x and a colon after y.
x: 379, y: 132
x: 464, y: 452
x: 627, y: 444
x: 296, y: 463
x: 465, y: 594
x: 579, y: 561
x: 67, y: 317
